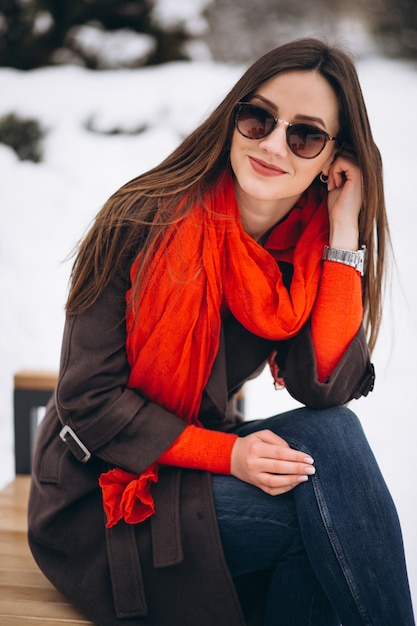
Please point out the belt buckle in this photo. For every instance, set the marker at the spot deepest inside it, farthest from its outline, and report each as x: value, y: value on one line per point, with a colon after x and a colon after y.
x: 86, y: 454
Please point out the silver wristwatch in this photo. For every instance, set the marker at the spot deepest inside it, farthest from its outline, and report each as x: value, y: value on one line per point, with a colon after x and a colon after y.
x: 356, y: 259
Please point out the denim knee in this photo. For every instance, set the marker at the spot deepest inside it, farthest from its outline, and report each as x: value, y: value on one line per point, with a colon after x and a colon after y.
x: 333, y: 432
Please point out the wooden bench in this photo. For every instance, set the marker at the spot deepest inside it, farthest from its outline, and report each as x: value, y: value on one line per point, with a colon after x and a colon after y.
x: 26, y: 596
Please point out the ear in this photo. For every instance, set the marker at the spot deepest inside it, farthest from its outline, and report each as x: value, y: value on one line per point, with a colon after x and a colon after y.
x: 329, y: 162
x: 324, y: 174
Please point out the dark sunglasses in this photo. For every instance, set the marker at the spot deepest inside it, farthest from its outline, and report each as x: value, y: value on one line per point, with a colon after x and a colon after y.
x: 304, y: 140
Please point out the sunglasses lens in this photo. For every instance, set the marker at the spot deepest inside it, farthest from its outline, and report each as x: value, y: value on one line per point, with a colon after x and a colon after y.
x: 306, y: 141
x: 253, y: 122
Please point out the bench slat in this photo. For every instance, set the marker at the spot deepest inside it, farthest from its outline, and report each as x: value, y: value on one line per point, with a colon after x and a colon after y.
x: 35, y: 380
x: 21, y: 601
x: 12, y: 548
x: 26, y: 596
x: 13, y: 509
x: 21, y: 577
x: 16, y: 605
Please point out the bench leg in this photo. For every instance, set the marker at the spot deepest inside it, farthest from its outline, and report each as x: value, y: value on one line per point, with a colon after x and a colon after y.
x: 26, y: 403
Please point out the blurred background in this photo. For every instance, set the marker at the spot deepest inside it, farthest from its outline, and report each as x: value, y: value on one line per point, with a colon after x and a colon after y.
x: 36, y: 33
x: 94, y: 92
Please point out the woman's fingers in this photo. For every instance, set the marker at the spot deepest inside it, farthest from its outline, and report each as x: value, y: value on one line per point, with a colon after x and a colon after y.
x: 266, y: 461
x: 290, y: 468
x: 344, y: 172
x: 344, y: 203
x: 275, y: 485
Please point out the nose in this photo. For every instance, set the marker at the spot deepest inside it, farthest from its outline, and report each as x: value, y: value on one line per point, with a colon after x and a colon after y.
x: 276, y: 142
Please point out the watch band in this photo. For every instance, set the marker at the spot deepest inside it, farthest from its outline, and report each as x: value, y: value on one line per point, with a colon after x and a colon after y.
x: 355, y: 259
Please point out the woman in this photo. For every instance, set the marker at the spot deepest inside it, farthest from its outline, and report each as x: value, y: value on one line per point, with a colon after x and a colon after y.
x: 152, y: 501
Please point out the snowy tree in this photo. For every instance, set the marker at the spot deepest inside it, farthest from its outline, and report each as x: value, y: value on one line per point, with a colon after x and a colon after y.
x: 97, y: 33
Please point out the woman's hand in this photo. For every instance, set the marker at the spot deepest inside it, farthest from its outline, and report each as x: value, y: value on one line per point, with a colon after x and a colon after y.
x: 265, y: 460
x: 344, y: 202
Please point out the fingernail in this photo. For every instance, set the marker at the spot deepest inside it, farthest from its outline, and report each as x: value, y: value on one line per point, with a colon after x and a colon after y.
x: 302, y: 479
x: 309, y: 459
x: 310, y: 470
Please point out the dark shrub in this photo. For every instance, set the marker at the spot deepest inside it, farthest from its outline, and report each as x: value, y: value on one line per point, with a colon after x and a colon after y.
x: 23, y: 135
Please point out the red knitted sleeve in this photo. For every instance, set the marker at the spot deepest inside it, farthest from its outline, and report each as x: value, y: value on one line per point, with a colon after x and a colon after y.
x: 200, y: 448
x: 337, y: 315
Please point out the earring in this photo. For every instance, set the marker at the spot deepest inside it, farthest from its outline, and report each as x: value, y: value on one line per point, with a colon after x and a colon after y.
x: 324, y: 178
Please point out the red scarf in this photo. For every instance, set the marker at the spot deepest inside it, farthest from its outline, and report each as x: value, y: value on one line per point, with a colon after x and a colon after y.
x: 172, y: 344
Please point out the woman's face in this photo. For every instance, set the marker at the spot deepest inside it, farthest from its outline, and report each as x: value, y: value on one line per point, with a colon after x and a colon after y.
x: 269, y: 178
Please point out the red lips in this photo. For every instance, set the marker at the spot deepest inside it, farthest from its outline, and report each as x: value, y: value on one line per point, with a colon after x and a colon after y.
x: 265, y: 169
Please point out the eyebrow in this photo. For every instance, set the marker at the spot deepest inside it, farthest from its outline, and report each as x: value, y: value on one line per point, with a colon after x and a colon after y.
x: 297, y: 117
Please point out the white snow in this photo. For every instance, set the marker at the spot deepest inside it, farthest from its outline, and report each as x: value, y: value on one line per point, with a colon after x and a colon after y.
x: 188, y: 14
x: 112, y: 49
x: 46, y: 207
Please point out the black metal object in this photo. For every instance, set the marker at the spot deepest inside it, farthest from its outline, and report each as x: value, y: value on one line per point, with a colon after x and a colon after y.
x: 26, y: 405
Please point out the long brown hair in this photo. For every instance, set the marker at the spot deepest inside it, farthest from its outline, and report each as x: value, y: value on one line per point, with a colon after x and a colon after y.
x: 138, y: 215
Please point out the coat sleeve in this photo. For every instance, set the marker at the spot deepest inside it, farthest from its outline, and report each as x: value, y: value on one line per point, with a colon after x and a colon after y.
x: 113, y: 421
x: 353, y: 376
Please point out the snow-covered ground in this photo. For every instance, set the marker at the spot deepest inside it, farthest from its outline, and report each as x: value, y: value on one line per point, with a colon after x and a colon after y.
x: 46, y: 207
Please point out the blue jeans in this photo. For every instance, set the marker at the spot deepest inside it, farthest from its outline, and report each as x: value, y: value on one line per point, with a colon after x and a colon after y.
x: 333, y: 544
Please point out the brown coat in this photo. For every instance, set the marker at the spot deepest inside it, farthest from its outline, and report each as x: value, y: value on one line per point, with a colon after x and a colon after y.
x: 169, y: 569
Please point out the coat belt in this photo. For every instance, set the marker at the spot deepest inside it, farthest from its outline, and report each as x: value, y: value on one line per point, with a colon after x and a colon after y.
x: 165, y: 522
x: 124, y: 562
x: 122, y: 552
